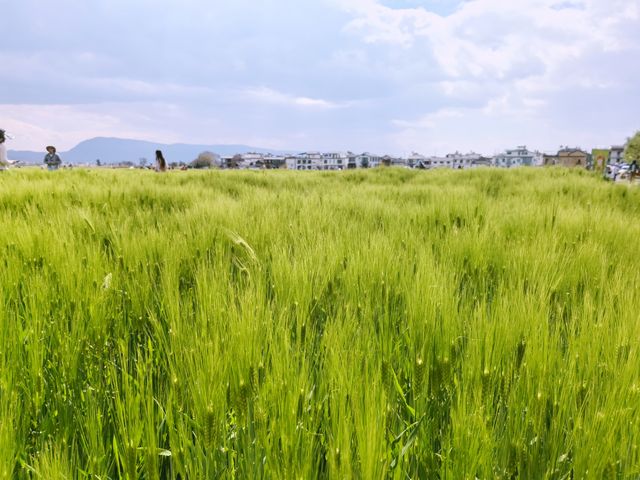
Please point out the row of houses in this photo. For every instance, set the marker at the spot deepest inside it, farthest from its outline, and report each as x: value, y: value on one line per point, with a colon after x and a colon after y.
x: 350, y: 160
x: 306, y: 161
x: 516, y: 157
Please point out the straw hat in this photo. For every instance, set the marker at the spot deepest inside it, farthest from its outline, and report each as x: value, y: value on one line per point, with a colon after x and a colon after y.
x: 51, y: 149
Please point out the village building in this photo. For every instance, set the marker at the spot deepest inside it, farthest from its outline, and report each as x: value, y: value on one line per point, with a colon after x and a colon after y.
x: 461, y: 161
x: 482, y: 161
x: 438, y: 162
x: 616, y: 154
x: 416, y: 160
x: 390, y: 161
x: 291, y: 162
x: 245, y: 160
x: 318, y: 161
x: 455, y: 160
x: 467, y: 160
x: 335, y: 161
x: 517, y: 157
x: 252, y: 160
x: 308, y: 161
x: 270, y: 162
x: 366, y: 160
x: 568, y: 157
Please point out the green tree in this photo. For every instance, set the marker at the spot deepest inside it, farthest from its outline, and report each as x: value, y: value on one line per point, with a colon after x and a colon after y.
x: 204, y: 160
x: 632, y: 148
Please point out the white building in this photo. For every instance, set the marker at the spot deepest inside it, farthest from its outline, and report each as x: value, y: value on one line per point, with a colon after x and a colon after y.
x: 389, y: 161
x: 335, y: 161
x: 616, y: 154
x: 415, y: 160
x: 438, y: 162
x: 318, y: 161
x: 270, y: 161
x: 291, y: 162
x: 308, y: 161
x: 516, y: 157
x: 452, y: 160
x: 251, y: 160
x: 365, y: 160
x: 467, y: 160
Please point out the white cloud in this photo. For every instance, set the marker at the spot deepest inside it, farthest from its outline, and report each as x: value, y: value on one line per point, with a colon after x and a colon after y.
x: 497, y: 39
x: 507, y: 71
x: 34, y: 126
x: 67, y: 125
x: 431, y: 120
x: 384, y: 75
x: 142, y: 88
x: 268, y: 95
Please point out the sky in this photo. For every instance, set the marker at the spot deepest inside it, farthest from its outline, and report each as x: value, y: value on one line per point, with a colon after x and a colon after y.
x: 384, y: 76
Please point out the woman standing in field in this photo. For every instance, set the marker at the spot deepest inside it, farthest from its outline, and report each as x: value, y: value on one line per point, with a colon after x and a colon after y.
x: 161, y: 164
x: 4, y: 162
x: 52, y: 159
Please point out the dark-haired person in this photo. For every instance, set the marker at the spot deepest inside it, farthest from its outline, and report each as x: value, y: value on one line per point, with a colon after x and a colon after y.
x: 4, y: 162
x: 52, y: 159
x: 161, y: 163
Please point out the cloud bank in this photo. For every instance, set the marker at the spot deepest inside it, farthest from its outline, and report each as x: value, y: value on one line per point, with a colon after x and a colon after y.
x: 426, y: 75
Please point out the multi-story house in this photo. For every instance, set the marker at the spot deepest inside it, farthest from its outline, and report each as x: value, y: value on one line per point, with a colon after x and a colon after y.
x: 366, y: 160
x: 318, y: 161
x: 568, y: 157
x: 415, y: 160
x: 467, y: 160
x: 453, y: 160
x: 516, y: 157
x: 390, y: 161
x: 616, y: 154
x: 335, y: 161
x: 270, y: 161
x: 305, y: 161
x: 437, y: 162
x: 250, y: 160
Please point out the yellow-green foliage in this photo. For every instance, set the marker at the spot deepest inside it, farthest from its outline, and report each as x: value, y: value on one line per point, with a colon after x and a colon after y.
x: 363, y: 324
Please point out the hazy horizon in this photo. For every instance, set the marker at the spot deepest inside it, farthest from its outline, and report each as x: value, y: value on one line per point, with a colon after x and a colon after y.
x: 431, y: 76
x: 244, y: 148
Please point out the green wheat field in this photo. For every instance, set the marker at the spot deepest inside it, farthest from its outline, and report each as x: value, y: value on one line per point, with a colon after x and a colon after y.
x: 289, y: 325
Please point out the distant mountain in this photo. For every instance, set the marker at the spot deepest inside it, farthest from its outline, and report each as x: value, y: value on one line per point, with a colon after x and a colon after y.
x: 26, y: 156
x: 115, y: 150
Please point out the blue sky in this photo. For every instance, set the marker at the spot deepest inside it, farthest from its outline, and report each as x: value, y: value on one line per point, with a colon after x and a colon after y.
x: 388, y: 76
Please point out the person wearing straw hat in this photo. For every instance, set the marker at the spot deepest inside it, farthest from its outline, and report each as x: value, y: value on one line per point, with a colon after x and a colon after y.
x: 51, y: 159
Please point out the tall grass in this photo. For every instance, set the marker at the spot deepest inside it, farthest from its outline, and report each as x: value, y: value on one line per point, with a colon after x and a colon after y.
x: 367, y: 324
